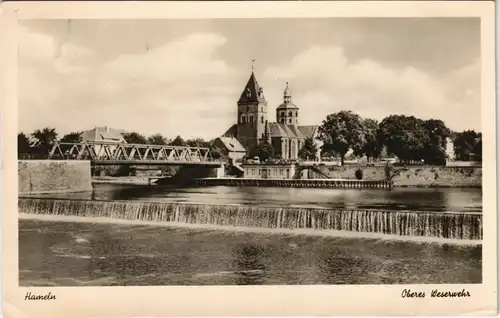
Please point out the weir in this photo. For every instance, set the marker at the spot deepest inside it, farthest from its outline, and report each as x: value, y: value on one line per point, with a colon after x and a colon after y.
x: 450, y: 225
x: 294, y: 183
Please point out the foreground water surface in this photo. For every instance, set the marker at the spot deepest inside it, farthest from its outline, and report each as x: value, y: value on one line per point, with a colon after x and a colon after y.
x: 419, y: 199
x: 75, y: 254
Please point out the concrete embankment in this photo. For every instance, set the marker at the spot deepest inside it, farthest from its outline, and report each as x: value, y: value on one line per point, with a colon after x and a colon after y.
x: 412, y: 176
x: 454, y: 226
x: 53, y: 176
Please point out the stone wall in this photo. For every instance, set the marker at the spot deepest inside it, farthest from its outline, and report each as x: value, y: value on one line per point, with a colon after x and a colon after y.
x: 53, y: 176
x: 413, y: 176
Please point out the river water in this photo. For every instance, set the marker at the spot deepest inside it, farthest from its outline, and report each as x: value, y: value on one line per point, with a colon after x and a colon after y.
x: 419, y: 199
x: 79, y: 253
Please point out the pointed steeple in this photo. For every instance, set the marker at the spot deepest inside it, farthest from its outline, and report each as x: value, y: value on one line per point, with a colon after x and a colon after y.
x: 252, y: 93
x: 287, y: 94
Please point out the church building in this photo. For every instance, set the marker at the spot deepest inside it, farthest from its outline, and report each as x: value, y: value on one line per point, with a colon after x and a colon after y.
x: 253, y: 126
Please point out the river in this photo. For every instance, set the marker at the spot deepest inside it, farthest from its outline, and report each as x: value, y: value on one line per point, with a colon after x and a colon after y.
x: 419, y: 199
x: 53, y: 253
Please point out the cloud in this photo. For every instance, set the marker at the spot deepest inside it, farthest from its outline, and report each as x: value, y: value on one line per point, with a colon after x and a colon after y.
x: 175, y: 88
x: 324, y: 79
x: 186, y: 86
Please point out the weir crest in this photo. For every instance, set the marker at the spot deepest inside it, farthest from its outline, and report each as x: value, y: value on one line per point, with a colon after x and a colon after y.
x: 461, y: 226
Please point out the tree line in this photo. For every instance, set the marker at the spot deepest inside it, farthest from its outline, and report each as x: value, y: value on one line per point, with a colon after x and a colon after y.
x: 408, y: 138
x: 39, y: 143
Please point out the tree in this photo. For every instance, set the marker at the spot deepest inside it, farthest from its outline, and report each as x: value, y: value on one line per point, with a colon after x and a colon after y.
x: 178, y: 141
x: 135, y: 138
x: 342, y: 131
x: 45, y: 140
x: 23, y: 145
x: 263, y: 151
x: 372, y: 147
x: 74, y: 137
x: 466, y: 144
x: 308, y: 150
x: 157, y: 139
x: 434, y: 151
x: 198, y: 142
x: 478, y: 149
x: 403, y: 136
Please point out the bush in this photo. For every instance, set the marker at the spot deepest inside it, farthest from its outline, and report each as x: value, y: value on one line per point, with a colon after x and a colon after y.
x: 359, y: 174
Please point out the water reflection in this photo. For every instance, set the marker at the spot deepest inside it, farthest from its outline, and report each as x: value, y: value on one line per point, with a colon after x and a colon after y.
x: 446, y: 199
x: 337, y: 268
x: 249, y: 264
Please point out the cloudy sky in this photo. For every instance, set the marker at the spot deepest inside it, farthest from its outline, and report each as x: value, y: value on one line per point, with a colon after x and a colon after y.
x: 185, y: 76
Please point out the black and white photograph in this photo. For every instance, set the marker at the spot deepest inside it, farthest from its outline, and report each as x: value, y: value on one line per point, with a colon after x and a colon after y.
x: 251, y: 151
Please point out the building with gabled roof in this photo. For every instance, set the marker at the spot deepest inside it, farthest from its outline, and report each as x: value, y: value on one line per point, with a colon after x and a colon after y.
x: 253, y: 127
x: 104, y: 134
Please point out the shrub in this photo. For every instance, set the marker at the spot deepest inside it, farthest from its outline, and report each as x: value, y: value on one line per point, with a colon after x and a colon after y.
x: 359, y: 174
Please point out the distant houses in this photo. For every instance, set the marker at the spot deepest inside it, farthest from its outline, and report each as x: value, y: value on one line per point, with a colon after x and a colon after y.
x: 104, y: 134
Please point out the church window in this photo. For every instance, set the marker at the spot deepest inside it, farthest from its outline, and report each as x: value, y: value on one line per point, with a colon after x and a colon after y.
x: 243, y: 119
x: 282, y: 114
x: 290, y: 121
x: 261, y: 119
x: 282, y: 120
x: 296, y: 113
x: 290, y: 114
x: 250, y: 119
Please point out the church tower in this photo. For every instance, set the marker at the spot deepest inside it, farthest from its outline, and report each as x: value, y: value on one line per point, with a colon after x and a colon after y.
x: 287, y: 113
x: 252, y: 114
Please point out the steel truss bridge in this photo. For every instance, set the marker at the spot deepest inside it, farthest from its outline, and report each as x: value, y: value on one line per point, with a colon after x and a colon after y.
x: 109, y: 153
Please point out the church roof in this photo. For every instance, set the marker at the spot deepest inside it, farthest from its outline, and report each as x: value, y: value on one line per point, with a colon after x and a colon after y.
x: 231, y: 132
x: 288, y: 131
x: 252, y: 93
x: 292, y: 131
x: 232, y: 144
x: 287, y: 106
x: 309, y: 131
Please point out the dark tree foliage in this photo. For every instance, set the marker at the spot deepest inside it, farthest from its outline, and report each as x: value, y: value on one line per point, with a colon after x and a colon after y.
x: 413, y: 139
x: 135, y: 138
x: 263, y: 151
x: 372, y: 147
x: 478, y: 149
x: 403, y: 136
x: 437, y: 133
x: 468, y: 145
x: 45, y: 140
x: 23, y: 145
x: 215, y: 151
x: 178, y: 141
x: 342, y: 131
x: 74, y: 137
x: 309, y: 150
x: 198, y: 142
x: 157, y: 139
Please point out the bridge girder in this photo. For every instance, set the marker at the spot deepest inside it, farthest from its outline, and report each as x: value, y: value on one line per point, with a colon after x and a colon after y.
x: 121, y: 153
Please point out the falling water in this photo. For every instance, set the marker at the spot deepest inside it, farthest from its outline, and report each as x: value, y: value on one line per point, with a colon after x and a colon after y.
x: 467, y: 226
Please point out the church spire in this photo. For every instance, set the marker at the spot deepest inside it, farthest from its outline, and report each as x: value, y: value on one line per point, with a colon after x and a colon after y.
x: 252, y: 92
x: 287, y: 95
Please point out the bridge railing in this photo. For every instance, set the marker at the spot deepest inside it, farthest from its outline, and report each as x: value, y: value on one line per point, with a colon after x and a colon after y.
x: 109, y: 151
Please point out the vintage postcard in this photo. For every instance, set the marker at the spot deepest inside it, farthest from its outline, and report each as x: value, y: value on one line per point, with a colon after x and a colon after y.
x: 228, y: 159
